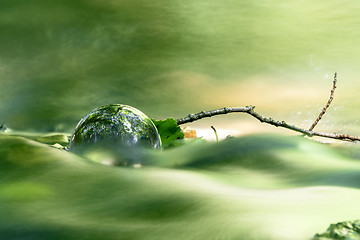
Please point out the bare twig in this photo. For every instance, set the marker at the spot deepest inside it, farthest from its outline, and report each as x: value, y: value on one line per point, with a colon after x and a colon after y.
x: 217, y: 137
x: 327, y: 105
x: 200, y: 115
x: 250, y: 110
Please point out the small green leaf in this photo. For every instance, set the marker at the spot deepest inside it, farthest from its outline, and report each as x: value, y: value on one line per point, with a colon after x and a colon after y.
x: 169, y: 130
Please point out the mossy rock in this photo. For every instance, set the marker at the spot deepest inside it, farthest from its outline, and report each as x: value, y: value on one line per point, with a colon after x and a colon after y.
x: 341, y: 231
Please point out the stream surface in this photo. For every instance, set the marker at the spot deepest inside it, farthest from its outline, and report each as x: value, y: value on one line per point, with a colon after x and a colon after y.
x: 61, y: 59
x: 255, y: 187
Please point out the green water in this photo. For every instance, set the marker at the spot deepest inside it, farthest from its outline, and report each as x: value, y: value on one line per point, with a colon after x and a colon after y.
x: 61, y: 59
x: 255, y: 187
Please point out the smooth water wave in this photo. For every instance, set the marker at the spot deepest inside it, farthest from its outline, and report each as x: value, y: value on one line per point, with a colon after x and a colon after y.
x: 254, y: 187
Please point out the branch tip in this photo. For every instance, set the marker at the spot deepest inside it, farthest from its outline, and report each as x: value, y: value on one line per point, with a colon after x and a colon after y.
x: 327, y: 104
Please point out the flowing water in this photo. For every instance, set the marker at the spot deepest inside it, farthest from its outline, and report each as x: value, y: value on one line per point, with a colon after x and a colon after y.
x: 61, y: 59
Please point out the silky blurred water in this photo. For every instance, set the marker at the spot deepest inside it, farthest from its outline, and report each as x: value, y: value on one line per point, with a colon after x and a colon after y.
x: 253, y: 187
x: 61, y: 59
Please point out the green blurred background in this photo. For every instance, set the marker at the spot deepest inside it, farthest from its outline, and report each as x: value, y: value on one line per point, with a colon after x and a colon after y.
x: 61, y: 59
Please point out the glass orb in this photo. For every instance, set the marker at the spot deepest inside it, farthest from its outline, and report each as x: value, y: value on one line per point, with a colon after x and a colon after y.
x: 114, y: 126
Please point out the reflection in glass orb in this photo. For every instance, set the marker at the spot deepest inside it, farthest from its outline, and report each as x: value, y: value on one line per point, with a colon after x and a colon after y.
x: 114, y: 126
